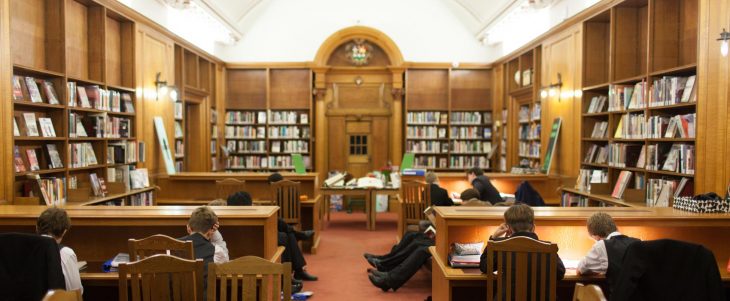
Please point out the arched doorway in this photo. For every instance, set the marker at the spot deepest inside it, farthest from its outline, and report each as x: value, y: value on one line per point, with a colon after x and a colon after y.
x: 358, y: 95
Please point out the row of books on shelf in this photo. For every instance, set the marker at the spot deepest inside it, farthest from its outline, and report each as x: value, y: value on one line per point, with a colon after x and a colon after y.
x: 600, y: 129
x: 631, y: 126
x: 597, y: 104
x: 529, y: 149
x: 95, y: 97
x: 121, y: 153
x: 240, y: 162
x: 660, y: 192
x: 462, y: 162
x: 213, y: 146
x: 626, y: 97
x: 425, y: 132
x: 27, y: 88
x: 576, y: 200
x: 82, y: 155
x: 98, y: 126
x: 678, y: 126
x: 245, y: 132
x: 528, y: 113
x: 293, y: 146
x: 442, y: 148
x: 35, y: 159
x: 471, y: 117
x: 472, y: 132
x: 596, y: 154
x: 24, y: 123
x: 238, y: 146
x: 677, y: 158
x: 471, y: 147
x: 426, y: 147
x: 289, y: 132
x: 259, y: 117
x: 178, y: 112
x: 586, y: 177
x: 51, y: 190
x: 142, y: 199
x: 179, y: 148
x: 670, y: 90
x: 178, y: 130
x: 426, y: 118
x: 529, y: 131
x: 531, y: 163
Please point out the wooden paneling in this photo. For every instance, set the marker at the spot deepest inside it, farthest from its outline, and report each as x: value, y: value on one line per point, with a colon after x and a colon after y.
x: 597, y: 43
x: 156, y: 54
x: 379, y: 144
x: 337, y: 157
x: 190, y: 60
x: 77, y: 39
x: 674, y: 33
x: 28, y: 32
x: 246, y: 89
x: 471, y: 89
x: 630, y: 37
x: 427, y: 89
x: 6, y: 153
x: 113, y: 52
x: 290, y: 89
x: 562, y: 54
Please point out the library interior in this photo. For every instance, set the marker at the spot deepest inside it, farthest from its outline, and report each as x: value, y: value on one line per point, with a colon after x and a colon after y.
x: 364, y: 150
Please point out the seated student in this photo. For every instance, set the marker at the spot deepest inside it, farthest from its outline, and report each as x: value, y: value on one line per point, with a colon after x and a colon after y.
x: 470, y: 197
x: 519, y: 220
x: 202, y: 226
x: 221, y: 249
x: 607, y: 254
x: 54, y: 223
x: 439, y: 196
x: 481, y: 183
x: 286, y: 238
x: 282, y: 225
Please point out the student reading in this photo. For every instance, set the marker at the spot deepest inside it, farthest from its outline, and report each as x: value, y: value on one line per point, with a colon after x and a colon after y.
x: 55, y: 223
x: 481, y: 183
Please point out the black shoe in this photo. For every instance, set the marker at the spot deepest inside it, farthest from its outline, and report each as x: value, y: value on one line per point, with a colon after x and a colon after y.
x: 374, y: 262
x: 380, y: 274
x: 295, y: 288
x: 370, y: 270
x: 304, y: 276
x: 368, y: 256
x: 379, y: 282
x: 304, y: 235
x: 296, y: 281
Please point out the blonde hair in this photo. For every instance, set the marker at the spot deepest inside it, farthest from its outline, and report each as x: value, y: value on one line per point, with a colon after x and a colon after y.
x: 601, y: 224
x: 520, y: 218
x: 202, y: 219
x: 431, y: 177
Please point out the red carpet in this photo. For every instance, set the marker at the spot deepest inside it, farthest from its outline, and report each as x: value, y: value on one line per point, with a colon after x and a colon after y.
x: 341, y: 267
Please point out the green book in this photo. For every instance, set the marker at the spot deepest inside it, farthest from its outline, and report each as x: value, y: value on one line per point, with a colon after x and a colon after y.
x: 407, y: 161
x: 298, y: 163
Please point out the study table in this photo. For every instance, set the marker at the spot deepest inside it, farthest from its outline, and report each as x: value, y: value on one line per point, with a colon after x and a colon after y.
x: 198, y: 188
x: 504, y: 182
x: 368, y: 193
x: 566, y: 226
x: 98, y: 233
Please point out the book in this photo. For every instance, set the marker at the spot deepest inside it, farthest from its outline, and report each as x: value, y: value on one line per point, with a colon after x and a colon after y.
x: 95, y: 185
x: 33, y: 92
x: 32, y: 159
x: 71, y: 94
x: 50, y: 92
x: 93, y: 93
x: 47, y: 127
x: 18, y: 94
x: 55, y: 156
x: 128, y: 104
x: 139, y: 178
x: 621, y: 183
x: 18, y: 160
x: 83, y: 98
x: 689, y: 89
x: 31, y: 129
x: 303, y: 118
x: 16, y: 131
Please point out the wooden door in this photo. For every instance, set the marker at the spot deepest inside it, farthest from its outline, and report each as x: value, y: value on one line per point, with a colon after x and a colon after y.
x: 358, y: 139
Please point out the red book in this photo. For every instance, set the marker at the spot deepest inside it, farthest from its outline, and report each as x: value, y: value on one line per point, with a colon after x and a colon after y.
x: 18, y: 89
x: 19, y: 165
x: 32, y: 159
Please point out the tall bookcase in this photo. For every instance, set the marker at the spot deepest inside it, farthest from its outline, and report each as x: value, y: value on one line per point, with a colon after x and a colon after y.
x: 77, y: 47
x: 268, y: 118
x: 449, y: 118
x: 521, y: 112
x: 640, y: 48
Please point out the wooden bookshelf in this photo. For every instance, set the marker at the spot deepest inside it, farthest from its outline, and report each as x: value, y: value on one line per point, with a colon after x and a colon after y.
x: 635, y: 43
x: 268, y: 119
x: 449, y: 118
x: 80, y: 43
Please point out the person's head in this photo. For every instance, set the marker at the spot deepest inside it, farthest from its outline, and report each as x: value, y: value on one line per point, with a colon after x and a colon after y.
x: 469, y: 193
x: 473, y: 172
x: 240, y: 198
x: 275, y: 177
x: 53, y: 221
x: 218, y: 202
x: 600, y: 225
x: 203, y: 220
x: 520, y: 218
x: 431, y: 177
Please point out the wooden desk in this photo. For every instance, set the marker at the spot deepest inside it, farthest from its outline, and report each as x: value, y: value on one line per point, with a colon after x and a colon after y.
x: 369, y: 194
x: 566, y: 227
x: 504, y: 182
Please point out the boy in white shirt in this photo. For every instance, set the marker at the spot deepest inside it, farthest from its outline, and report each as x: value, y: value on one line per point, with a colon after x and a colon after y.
x: 54, y: 222
x: 607, y: 253
x: 221, y: 250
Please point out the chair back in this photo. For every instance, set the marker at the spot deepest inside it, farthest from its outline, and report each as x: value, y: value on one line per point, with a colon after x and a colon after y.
x: 161, y: 277
x: 30, y: 265
x: 243, y: 273
x: 285, y: 194
x: 228, y: 186
x: 526, y: 269
x: 589, y: 292
x: 159, y: 244
x: 62, y: 295
x: 416, y: 198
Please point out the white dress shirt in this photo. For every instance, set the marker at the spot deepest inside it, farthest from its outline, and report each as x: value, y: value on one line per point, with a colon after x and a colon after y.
x: 70, y: 267
x: 596, y: 261
x: 221, y: 251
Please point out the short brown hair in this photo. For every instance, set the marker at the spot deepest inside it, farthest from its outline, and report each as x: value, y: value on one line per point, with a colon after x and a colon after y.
x: 218, y: 202
x: 601, y: 224
x: 469, y: 193
x: 202, y: 219
x: 431, y: 177
x: 520, y: 218
x: 53, y: 221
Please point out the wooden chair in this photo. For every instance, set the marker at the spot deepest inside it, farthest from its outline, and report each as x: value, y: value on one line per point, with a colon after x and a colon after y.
x: 524, y: 266
x: 415, y: 198
x: 285, y: 193
x: 243, y: 273
x: 62, y: 295
x: 228, y: 186
x: 161, y: 277
x: 589, y: 292
x: 159, y: 244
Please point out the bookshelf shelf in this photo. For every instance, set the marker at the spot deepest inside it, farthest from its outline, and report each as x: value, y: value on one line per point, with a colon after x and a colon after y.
x: 669, y: 140
x: 41, y: 172
x: 681, y: 70
x: 669, y: 173
x: 22, y: 138
x: 630, y: 80
x: 38, y: 105
x: 603, y: 198
x: 595, y: 165
x: 92, y: 167
x: 97, y: 200
x: 85, y: 82
x: 688, y: 105
x: 36, y: 71
x: 598, y: 87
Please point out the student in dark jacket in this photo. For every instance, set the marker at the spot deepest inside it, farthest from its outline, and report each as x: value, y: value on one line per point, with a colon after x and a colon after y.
x: 202, y: 224
x: 607, y: 254
x: 439, y: 196
x: 30, y: 265
x: 519, y: 220
x: 481, y: 183
x: 525, y: 193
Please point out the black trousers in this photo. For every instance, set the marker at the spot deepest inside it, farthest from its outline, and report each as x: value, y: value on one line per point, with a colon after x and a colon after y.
x: 409, y: 244
x: 406, y: 269
x: 292, y: 253
x: 286, y: 228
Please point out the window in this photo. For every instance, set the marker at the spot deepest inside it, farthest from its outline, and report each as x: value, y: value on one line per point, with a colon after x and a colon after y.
x: 358, y: 145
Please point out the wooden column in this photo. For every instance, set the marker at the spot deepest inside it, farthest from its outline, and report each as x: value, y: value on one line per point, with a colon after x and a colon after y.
x: 396, y: 117
x: 6, y: 151
x: 320, y: 121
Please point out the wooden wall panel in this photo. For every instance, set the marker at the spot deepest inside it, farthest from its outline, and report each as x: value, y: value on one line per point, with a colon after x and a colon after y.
x: 427, y: 89
x: 290, y: 89
x: 28, y: 32
x: 471, y: 89
x: 337, y: 156
x: 6, y: 150
x: 155, y: 53
x: 713, y: 112
x: 77, y: 42
x: 113, y: 52
x: 246, y: 89
x: 562, y: 54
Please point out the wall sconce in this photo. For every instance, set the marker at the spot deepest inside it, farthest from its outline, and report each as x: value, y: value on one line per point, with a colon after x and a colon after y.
x: 724, y: 38
x: 552, y: 89
x: 162, y: 88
